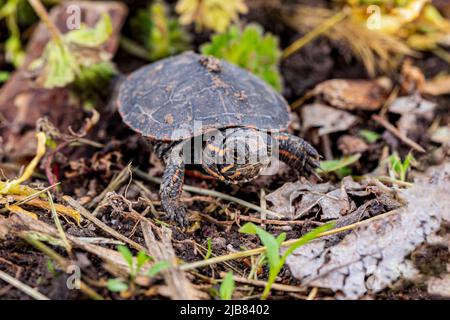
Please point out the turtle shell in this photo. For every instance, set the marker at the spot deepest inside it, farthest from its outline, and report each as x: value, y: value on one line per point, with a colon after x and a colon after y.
x: 189, y: 94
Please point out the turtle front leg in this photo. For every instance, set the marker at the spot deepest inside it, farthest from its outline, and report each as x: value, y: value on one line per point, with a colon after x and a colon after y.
x: 297, y: 153
x: 172, y: 184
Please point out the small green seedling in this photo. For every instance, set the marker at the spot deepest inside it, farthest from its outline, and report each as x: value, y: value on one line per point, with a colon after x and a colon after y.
x: 397, y: 168
x: 216, y: 15
x: 227, y: 287
x: 160, y: 34
x: 340, y: 166
x: 273, y: 246
x: 249, y: 49
x: 209, y: 252
x: 158, y: 267
x: 116, y: 285
x: 369, y: 135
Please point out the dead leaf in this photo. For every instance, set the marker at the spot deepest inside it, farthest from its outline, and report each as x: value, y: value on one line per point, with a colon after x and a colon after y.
x: 373, y: 256
x: 327, y: 119
x: 441, y: 135
x: 412, y: 109
x: 350, y: 144
x: 439, y: 287
x: 178, y: 286
x: 349, y: 94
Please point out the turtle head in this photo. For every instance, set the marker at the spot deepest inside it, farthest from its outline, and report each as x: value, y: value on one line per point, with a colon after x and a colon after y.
x: 236, y: 154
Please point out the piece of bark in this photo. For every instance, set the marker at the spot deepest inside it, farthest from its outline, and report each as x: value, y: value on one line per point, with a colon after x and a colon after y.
x: 178, y: 285
x: 22, y: 103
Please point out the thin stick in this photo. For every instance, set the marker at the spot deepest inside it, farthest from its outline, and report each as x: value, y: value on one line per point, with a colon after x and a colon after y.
x: 22, y: 287
x: 43, y: 15
x: 35, y: 195
x: 275, y: 286
x: 86, y: 214
x: 247, y: 253
x: 59, y: 227
x: 314, y: 33
x: 212, y: 193
x: 397, y: 133
x: 312, y: 295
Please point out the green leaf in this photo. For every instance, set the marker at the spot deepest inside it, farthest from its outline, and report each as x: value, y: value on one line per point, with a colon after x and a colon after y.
x: 91, y: 37
x: 369, y: 136
x: 158, y: 267
x: 250, y: 49
x: 268, y: 240
x: 141, y: 259
x: 116, y: 285
x: 227, y: 287
x: 160, y: 34
x: 126, y: 254
x: 4, y: 76
x: 313, y: 234
x: 333, y: 165
x: 209, y: 252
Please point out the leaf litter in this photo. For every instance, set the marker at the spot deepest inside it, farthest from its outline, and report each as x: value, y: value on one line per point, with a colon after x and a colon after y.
x: 373, y: 256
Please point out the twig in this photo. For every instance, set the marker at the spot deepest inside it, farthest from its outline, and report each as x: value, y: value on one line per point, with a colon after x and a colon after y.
x: 311, y: 35
x: 28, y: 172
x: 212, y: 193
x: 115, y: 183
x: 247, y: 253
x: 86, y: 214
x: 22, y: 287
x: 312, y: 295
x: 58, y: 225
x: 43, y: 15
x: 397, y: 133
x: 275, y: 286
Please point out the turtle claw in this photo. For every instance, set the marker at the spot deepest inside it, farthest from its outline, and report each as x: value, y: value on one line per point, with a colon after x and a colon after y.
x: 178, y: 215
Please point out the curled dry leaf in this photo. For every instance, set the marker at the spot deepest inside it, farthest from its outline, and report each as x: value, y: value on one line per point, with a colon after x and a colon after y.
x: 327, y: 119
x: 295, y: 199
x: 354, y: 94
x: 412, y: 108
x: 372, y: 256
x: 350, y: 145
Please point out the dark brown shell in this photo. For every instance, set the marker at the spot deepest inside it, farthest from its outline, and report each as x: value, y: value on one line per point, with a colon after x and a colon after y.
x: 189, y: 94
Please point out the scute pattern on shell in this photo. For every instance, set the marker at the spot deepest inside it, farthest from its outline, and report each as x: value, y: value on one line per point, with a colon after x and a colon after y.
x: 162, y: 100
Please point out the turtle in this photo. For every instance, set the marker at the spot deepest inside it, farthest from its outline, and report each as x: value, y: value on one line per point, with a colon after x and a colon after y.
x: 197, y: 109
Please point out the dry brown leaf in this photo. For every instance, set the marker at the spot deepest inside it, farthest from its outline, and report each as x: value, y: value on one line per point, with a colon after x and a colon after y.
x: 326, y: 118
x: 350, y: 145
x: 350, y: 94
x: 412, y: 108
x: 373, y: 256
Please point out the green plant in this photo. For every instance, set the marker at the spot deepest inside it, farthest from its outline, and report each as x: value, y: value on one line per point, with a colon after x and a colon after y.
x: 76, y: 57
x: 212, y: 14
x: 273, y: 245
x: 227, y: 287
x: 4, y: 76
x: 249, y: 49
x: 399, y: 169
x: 158, y: 267
x: 160, y: 34
x: 340, y: 166
x: 9, y: 11
x: 209, y: 252
x: 369, y: 136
